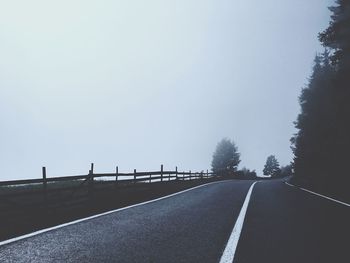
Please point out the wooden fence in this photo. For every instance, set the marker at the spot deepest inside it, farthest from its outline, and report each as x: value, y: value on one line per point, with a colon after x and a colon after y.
x: 48, y: 200
x: 133, y: 177
x: 51, y: 192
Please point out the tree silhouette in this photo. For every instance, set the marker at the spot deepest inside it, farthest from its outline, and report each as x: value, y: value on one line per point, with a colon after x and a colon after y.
x: 323, y: 140
x: 226, y: 157
x: 272, y: 166
x: 312, y: 143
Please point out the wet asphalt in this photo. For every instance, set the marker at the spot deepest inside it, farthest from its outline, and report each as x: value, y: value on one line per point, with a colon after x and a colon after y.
x: 190, y: 227
x: 286, y: 224
x: 282, y: 224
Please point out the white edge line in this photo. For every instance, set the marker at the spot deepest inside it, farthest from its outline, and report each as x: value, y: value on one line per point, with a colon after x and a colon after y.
x: 230, y: 249
x: 98, y: 215
x: 289, y: 184
x: 329, y: 198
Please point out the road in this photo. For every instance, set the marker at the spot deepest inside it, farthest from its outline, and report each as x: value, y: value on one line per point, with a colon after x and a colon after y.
x: 282, y: 224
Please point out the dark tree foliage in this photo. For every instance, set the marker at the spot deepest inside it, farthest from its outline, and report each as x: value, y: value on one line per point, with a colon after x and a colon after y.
x: 312, y: 142
x: 226, y: 157
x: 337, y: 35
x: 286, y: 170
x: 272, y: 166
x: 322, y: 143
x: 245, y: 173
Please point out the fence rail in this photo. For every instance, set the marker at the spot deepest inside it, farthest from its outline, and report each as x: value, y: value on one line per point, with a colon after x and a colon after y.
x: 46, y: 199
x: 147, y: 176
x: 39, y: 196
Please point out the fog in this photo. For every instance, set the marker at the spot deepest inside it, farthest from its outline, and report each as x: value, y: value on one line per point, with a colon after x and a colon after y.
x: 143, y: 83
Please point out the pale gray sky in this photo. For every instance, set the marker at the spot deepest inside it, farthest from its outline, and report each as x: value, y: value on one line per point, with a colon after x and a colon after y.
x: 140, y: 83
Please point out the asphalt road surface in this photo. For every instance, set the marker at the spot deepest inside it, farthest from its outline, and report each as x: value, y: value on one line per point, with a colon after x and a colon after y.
x: 282, y: 224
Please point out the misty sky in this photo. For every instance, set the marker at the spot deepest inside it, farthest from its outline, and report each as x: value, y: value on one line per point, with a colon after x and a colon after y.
x: 139, y: 83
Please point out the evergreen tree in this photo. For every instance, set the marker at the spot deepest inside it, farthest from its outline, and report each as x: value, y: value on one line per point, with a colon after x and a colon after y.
x: 226, y: 157
x: 272, y: 166
x: 337, y: 35
x: 322, y: 142
x: 337, y: 38
x: 312, y: 142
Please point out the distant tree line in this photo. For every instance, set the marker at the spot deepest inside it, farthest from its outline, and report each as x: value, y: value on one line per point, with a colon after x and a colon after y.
x: 272, y: 168
x: 321, y: 145
x: 245, y: 173
x: 226, y: 159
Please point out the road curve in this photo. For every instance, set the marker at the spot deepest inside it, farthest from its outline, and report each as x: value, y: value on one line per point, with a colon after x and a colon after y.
x: 286, y: 224
x: 190, y: 227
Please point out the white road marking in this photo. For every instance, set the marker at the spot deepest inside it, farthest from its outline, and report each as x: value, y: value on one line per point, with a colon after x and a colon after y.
x: 289, y: 184
x: 98, y: 215
x: 230, y: 249
x: 329, y: 198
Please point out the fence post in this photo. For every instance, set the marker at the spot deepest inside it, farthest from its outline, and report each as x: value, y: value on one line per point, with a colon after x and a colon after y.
x: 134, y: 176
x: 161, y: 173
x: 207, y: 174
x: 116, y: 175
x: 44, y: 178
x: 45, y: 186
x: 91, y: 181
x: 190, y: 175
x: 92, y: 168
x: 150, y: 178
x: 176, y: 173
